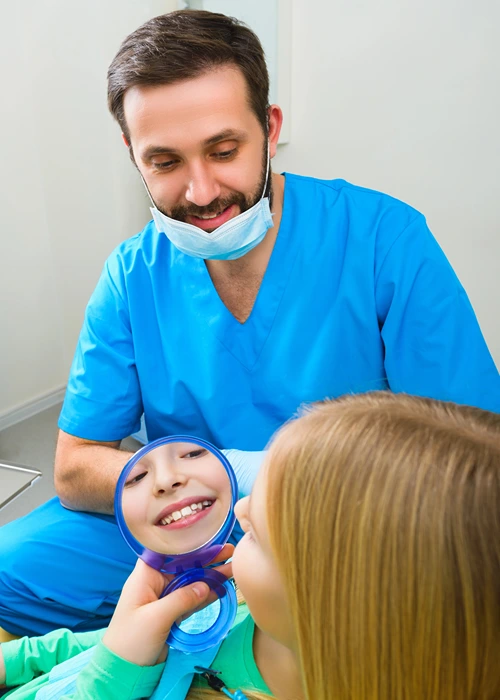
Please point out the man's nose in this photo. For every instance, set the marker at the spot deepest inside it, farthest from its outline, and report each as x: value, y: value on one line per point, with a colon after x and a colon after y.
x: 203, y: 187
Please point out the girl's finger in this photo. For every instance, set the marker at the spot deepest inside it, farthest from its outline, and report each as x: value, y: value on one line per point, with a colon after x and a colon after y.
x: 183, y: 601
x: 211, y: 598
x: 225, y: 569
x: 225, y: 553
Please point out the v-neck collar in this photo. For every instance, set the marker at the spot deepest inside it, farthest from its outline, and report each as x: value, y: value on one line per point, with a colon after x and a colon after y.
x: 245, y: 341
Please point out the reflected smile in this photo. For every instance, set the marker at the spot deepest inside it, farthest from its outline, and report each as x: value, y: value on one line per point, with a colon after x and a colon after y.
x: 184, y: 513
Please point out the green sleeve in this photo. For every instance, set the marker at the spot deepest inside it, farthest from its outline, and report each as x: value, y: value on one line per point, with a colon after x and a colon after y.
x: 109, y: 677
x: 29, y: 657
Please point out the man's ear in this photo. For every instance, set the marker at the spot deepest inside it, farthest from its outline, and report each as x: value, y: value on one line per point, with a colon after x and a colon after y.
x: 130, y: 151
x: 275, y: 120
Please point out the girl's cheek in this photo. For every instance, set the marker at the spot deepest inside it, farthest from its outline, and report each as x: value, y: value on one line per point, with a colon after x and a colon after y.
x: 244, y: 560
x: 238, y: 558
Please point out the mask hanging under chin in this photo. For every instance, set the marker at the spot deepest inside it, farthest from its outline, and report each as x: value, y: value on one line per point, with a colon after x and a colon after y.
x: 230, y: 241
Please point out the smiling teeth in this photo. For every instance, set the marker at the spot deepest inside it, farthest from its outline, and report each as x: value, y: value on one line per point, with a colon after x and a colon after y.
x: 213, y: 216
x: 184, y: 512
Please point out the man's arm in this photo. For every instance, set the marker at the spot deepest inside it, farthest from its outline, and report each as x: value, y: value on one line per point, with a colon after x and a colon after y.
x: 433, y: 343
x: 86, y: 472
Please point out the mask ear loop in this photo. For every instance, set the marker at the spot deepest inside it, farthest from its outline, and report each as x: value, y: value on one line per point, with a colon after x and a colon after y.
x: 268, y: 181
x: 147, y: 190
x: 265, y: 193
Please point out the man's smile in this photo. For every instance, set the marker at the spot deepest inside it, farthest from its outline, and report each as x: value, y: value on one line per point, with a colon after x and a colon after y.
x: 210, y: 222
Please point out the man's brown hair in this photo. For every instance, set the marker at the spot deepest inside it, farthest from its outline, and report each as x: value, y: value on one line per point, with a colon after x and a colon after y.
x: 183, y: 45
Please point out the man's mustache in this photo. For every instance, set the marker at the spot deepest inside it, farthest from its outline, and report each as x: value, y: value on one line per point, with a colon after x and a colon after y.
x: 181, y: 213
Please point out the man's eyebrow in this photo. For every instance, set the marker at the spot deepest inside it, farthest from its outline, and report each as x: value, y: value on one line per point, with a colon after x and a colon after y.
x: 225, y: 135
x: 158, y: 151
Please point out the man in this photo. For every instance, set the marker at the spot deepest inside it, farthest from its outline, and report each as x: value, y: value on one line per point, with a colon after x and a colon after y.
x: 250, y: 293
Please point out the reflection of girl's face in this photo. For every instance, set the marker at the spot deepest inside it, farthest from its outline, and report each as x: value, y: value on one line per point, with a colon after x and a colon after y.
x: 176, y: 498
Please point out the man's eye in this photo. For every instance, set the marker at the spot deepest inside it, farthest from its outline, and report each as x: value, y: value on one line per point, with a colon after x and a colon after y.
x: 194, y: 454
x: 135, y: 479
x: 164, y: 165
x: 225, y: 155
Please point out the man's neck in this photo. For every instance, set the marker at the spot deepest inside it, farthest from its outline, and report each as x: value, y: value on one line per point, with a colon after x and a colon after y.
x: 238, y: 281
x: 277, y: 665
x: 254, y: 263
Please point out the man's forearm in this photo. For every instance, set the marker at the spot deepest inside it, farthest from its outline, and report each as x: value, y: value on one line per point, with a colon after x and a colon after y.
x: 86, y: 479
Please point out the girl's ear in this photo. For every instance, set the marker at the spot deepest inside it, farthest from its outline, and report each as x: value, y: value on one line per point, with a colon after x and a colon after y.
x: 124, y: 139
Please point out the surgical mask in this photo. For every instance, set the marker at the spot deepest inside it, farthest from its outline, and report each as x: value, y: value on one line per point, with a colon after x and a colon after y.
x: 230, y: 241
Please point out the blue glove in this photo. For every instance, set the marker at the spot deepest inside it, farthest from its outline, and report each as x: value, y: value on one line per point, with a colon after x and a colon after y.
x: 141, y: 435
x: 246, y: 466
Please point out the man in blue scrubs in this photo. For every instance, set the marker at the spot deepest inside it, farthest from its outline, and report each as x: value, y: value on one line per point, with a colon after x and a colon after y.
x: 248, y: 294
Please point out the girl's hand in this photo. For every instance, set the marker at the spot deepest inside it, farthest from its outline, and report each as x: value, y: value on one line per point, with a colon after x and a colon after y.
x: 142, y: 620
x: 2, y: 669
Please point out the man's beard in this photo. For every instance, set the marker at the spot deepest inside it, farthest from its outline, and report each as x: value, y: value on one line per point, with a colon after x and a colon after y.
x: 182, y: 213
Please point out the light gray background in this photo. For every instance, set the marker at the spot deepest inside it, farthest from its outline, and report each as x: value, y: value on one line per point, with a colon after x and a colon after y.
x: 395, y: 95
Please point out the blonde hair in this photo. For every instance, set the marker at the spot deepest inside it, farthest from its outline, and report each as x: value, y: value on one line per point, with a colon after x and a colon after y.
x: 384, y: 519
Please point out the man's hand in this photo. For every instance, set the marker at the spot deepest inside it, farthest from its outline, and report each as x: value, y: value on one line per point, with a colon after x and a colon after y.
x: 142, y: 620
x: 246, y: 466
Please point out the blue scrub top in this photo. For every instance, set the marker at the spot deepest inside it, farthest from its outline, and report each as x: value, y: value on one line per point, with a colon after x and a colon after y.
x: 357, y: 296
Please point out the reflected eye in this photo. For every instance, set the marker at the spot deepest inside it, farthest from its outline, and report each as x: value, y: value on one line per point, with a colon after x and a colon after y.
x: 135, y: 479
x: 194, y: 454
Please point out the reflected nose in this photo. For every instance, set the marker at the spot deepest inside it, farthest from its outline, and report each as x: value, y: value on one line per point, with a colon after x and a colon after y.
x: 203, y: 188
x: 168, y: 479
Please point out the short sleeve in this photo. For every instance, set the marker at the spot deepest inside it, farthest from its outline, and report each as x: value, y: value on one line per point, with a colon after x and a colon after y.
x: 103, y: 399
x: 432, y: 340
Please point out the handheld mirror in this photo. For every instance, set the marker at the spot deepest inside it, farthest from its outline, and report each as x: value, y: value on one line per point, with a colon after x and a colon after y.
x: 174, y: 504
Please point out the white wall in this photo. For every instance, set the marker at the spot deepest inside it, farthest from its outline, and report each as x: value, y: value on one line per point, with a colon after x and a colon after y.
x: 68, y: 191
x: 396, y: 95
x: 404, y: 97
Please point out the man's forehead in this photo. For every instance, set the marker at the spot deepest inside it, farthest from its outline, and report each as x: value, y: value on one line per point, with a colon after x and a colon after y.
x: 189, y: 100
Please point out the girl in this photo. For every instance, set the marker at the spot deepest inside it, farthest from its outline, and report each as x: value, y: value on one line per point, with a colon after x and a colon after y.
x: 370, y: 564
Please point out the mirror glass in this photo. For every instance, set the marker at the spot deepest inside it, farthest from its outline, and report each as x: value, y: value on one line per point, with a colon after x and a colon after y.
x: 202, y: 620
x: 176, y: 498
